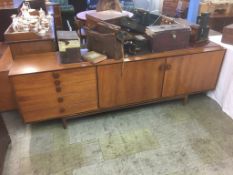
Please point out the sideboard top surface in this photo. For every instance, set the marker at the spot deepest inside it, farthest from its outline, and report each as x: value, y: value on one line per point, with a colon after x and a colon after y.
x: 45, y: 62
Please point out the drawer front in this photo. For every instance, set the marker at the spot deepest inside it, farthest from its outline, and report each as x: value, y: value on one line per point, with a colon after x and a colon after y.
x: 58, y: 111
x: 41, y: 115
x: 78, y: 103
x: 36, y: 96
x: 76, y: 75
x: 77, y: 90
x: 56, y: 94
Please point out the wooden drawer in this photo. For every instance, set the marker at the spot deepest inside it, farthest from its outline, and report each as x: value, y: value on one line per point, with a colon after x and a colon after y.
x: 56, y: 94
x: 41, y: 115
x: 36, y: 96
x: 33, y: 81
x: 80, y: 106
x: 76, y: 75
x: 59, y: 110
x: 77, y: 85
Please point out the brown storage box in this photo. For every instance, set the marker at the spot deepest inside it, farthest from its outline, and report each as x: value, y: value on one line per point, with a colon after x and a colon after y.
x: 221, y: 7
x: 6, y: 3
x: 168, y: 37
x: 230, y: 9
x: 69, y: 47
x: 227, y: 36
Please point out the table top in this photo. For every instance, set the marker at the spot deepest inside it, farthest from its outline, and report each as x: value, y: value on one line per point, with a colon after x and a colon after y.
x: 82, y: 15
x: 46, y: 62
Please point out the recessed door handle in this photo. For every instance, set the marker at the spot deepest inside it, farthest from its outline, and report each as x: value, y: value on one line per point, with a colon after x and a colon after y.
x: 168, y: 67
x: 162, y: 67
x: 56, y: 75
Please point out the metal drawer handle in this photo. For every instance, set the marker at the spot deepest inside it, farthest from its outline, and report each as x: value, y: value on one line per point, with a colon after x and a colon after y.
x: 162, y: 67
x: 62, y: 110
x: 60, y: 99
x: 57, y: 82
x: 58, y: 89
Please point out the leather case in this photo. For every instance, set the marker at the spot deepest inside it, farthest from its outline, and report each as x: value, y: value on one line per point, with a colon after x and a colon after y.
x: 102, y: 39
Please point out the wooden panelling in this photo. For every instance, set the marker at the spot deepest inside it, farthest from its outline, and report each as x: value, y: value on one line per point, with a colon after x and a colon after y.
x: 23, y: 48
x: 192, y: 73
x: 7, y: 99
x: 129, y: 83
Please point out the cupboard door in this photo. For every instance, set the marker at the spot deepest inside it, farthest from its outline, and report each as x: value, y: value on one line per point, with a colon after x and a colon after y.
x: 192, y: 73
x: 132, y: 82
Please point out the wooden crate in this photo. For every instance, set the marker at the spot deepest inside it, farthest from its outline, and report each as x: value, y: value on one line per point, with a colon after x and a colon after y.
x: 213, y: 7
x: 6, y: 2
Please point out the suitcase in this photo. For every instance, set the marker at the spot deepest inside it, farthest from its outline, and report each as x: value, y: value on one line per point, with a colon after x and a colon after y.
x: 227, y: 36
x: 168, y: 37
x: 102, y: 39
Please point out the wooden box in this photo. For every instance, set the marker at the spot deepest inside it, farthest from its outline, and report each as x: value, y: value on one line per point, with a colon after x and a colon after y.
x: 107, y: 16
x: 227, y: 36
x: 69, y: 47
x: 6, y: 2
x: 218, y: 7
x: 168, y: 37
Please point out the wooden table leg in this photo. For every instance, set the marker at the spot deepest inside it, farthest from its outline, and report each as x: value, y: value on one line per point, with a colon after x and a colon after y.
x: 185, y: 100
x: 64, y: 123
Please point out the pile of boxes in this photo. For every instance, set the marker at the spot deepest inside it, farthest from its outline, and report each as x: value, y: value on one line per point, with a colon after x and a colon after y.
x: 6, y: 2
x: 217, y: 7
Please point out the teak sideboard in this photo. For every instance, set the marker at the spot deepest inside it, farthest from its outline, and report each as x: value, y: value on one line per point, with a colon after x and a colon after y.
x: 45, y: 89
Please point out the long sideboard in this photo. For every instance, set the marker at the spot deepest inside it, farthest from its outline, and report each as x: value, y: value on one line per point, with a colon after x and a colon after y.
x: 45, y: 89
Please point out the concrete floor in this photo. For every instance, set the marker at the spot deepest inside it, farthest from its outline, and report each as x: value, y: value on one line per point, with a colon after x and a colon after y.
x: 159, y: 139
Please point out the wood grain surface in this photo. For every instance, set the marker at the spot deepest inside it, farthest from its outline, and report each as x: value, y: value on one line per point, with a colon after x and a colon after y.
x: 122, y: 84
x: 192, y: 73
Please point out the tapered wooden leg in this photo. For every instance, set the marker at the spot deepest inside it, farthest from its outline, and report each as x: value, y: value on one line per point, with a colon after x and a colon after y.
x: 64, y: 123
x: 185, y: 101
